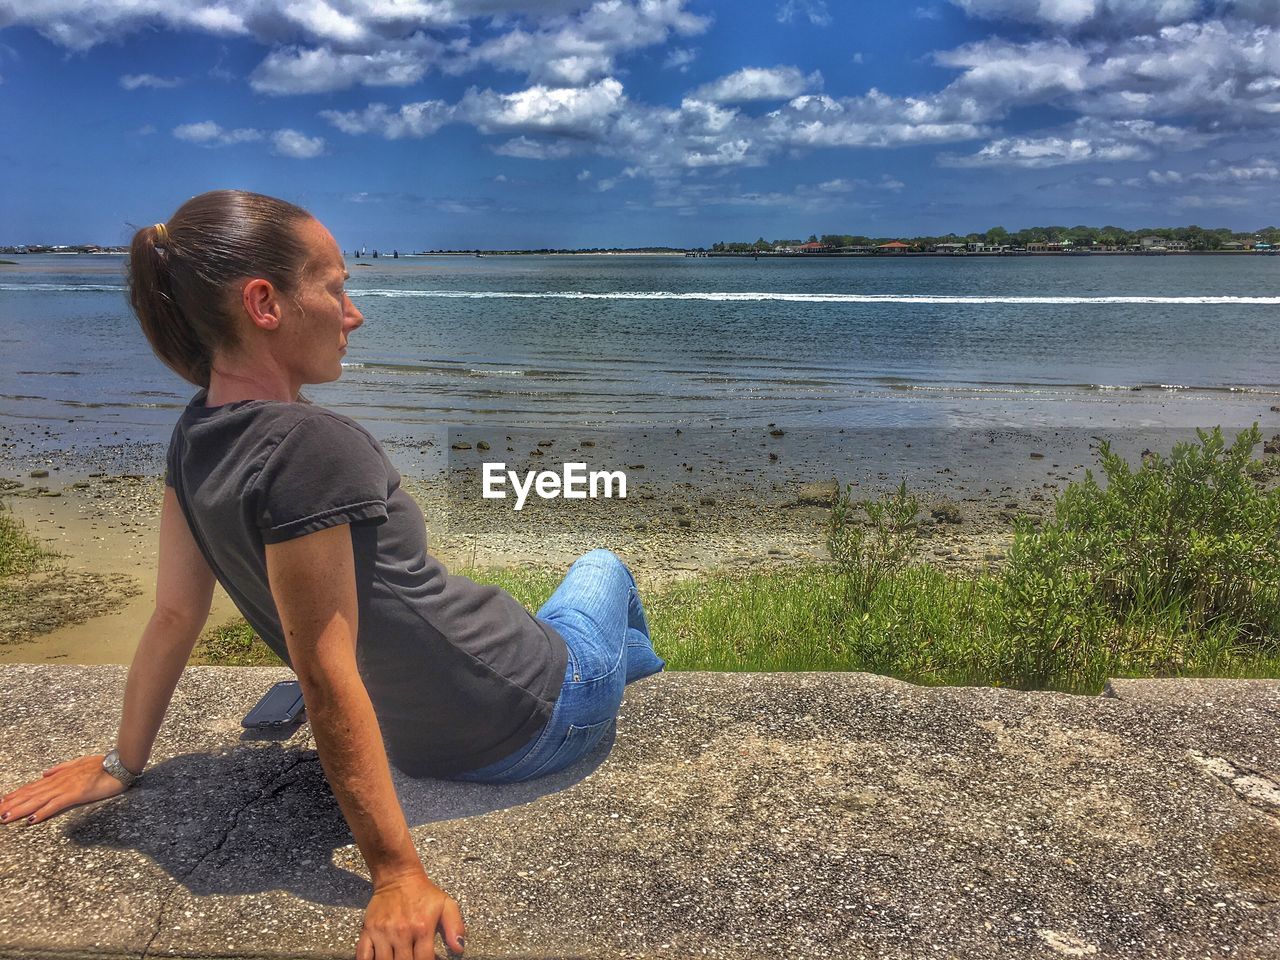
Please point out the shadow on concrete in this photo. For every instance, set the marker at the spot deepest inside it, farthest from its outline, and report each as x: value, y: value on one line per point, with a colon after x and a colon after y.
x: 287, y: 832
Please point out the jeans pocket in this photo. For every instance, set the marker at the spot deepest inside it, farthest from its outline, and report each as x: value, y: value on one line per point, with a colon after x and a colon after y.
x: 578, y: 741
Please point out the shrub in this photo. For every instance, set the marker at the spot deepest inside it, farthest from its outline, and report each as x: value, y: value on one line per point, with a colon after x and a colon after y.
x: 867, y: 554
x: 1184, y: 544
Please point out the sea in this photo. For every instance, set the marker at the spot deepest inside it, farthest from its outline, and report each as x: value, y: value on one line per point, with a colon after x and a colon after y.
x: 630, y: 342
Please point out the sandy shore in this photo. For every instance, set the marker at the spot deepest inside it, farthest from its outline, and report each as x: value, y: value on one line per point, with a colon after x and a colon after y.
x: 693, y: 505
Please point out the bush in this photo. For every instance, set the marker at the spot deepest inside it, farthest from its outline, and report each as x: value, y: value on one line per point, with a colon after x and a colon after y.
x: 871, y: 553
x: 1187, y: 544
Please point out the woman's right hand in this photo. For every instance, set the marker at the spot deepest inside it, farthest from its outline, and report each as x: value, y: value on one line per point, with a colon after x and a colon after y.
x: 66, y: 785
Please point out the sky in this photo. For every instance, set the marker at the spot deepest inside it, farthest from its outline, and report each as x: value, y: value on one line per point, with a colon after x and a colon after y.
x: 454, y: 124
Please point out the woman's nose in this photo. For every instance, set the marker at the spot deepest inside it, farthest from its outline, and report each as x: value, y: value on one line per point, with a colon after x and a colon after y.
x: 354, y: 316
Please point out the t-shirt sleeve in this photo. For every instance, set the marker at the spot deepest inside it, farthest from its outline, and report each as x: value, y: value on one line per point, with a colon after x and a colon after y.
x: 323, y: 472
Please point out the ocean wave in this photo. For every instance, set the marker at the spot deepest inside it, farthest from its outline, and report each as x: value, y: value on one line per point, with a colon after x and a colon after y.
x: 64, y: 287
x: 749, y: 297
x: 725, y: 296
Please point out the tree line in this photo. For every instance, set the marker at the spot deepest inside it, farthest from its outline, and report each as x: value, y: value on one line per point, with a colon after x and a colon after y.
x: 1197, y: 238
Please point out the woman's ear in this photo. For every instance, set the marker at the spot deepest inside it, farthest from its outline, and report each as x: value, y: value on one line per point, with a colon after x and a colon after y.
x: 261, y: 303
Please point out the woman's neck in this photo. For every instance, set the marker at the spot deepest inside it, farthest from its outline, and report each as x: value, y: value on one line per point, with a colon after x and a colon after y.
x: 229, y: 383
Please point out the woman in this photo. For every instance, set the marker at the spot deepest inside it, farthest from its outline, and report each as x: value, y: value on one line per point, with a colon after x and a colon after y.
x: 297, y: 512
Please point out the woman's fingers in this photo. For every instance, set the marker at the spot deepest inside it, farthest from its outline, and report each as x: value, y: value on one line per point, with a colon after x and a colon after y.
x: 452, y: 928
x: 364, y: 946
x: 69, y: 784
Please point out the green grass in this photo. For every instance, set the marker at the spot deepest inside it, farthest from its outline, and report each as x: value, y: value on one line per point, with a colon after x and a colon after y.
x: 20, y: 553
x: 233, y: 644
x: 921, y: 625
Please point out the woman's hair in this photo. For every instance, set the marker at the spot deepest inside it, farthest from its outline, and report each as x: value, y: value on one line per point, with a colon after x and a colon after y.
x: 181, y: 272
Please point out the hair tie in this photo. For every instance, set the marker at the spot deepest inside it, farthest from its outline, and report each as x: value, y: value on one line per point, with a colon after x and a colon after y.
x: 162, y: 234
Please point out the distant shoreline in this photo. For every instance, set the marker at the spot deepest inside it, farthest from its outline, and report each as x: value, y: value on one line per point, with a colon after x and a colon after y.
x: 700, y: 254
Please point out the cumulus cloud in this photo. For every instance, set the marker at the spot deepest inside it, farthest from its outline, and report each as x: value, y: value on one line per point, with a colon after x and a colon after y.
x: 582, y: 112
x: 573, y: 50
x: 1009, y: 73
x: 410, y: 120
x: 758, y: 83
x: 1046, y: 152
x: 206, y: 133
x: 291, y: 143
x: 135, y: 81
x: 876, y: 120
x: 1222, y: 72
x: 323, y: 45
x: 1119, y: 15
x: 1256, y: 171
x: 679, y: 59
x: 1085, y: 141
x: 295, y: 70
x: 814, y: 11
x: 285, y: 142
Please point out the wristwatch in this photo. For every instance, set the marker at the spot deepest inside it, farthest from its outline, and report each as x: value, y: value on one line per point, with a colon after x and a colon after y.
x: 111, y: 763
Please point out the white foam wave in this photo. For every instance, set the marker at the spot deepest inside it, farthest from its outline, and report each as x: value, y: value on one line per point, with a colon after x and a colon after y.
x: 742, y: 297
x: 63, y: 287
x: 726, y: 296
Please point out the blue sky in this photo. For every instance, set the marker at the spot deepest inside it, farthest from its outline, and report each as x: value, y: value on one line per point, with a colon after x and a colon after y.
x: 423, y: 124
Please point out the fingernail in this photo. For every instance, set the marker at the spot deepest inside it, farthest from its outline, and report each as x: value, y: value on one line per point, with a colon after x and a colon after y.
x: 4, y: 816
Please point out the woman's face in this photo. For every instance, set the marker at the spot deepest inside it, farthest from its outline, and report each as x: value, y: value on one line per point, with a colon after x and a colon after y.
x: 322, y: 315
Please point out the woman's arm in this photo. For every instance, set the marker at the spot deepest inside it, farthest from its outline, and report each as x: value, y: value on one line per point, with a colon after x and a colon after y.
x: 184, y: 591
x: 314, y: 585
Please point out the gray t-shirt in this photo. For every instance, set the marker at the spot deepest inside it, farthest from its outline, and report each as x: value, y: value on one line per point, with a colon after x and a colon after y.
x: 460, y: 674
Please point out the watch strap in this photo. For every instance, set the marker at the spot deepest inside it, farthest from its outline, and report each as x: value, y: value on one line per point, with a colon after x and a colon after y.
x: 111, y: 763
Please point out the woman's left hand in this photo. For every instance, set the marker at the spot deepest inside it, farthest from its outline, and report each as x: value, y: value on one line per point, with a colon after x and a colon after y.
x: 68, y: 784
x: 403, y: 917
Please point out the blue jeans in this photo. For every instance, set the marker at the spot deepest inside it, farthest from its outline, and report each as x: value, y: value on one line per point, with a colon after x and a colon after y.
x: 597, y: 610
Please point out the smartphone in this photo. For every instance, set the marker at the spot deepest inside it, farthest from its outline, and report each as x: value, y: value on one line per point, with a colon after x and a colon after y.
x: 281, y: 706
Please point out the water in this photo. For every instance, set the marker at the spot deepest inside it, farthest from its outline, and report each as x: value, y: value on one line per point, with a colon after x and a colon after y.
x: 630, y: 341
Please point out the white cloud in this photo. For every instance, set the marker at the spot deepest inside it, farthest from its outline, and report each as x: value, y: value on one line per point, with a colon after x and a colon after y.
x: 582, y: 112
x: 209, y: 134
x: 1008, y: 73
x: 758, y: 83
x: 875, y: 120
x: 731, y: 153
x: 815, y: 11
x: 679, y: 59
x: 584, y: 175
x: 1257, y: 171
x: 1046, y: 152
x: 294, y: 70
x: 1118, y: 15
x: 323, y: 45
x: 573, y: 50
x: 527, y: 149
x: 1223, y: 71
x: 292, y: 143
x: 1086, y: 140
x: 133, y: 81
x: 410, y: 120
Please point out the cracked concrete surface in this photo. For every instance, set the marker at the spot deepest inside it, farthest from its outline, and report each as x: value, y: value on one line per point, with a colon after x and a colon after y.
x: 735, y: 815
